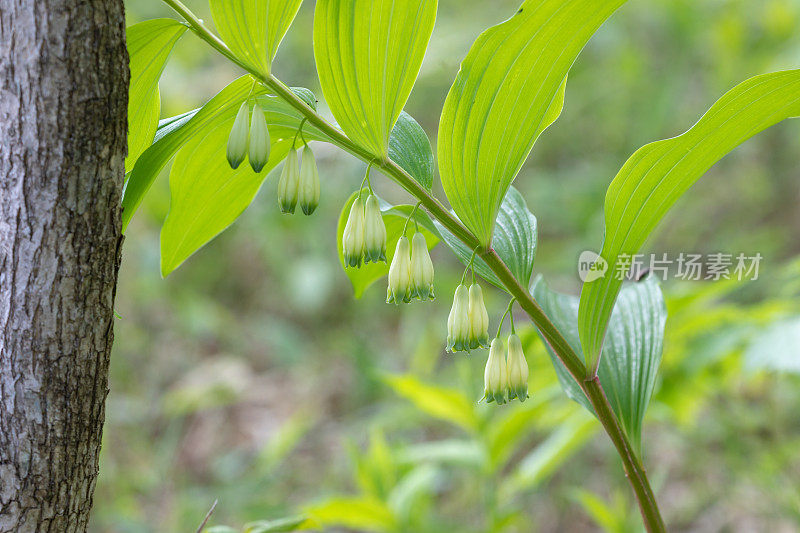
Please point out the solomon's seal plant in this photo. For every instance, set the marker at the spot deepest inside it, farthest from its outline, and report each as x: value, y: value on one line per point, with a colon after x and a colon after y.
x: 510, y: 88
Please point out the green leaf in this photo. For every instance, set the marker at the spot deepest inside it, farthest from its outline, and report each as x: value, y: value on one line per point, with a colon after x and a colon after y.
x: 508, y: 432
x: 611, y: 518
x: 418, y: 483
x: 291, y: 523
x: 153, y: 160
x: 149, y: 46
x: 173, y: 134
x: 632, y: 355
x: 394, y: 217
x: 514, y: 241
x: 446, y: 404
x: 360, y: 514
x: 551, y: 453
x: 410, y: 148
x: 206, y: 194
x: 509, y: 89
x: 656, y: 175
x: 775, y: 348
x: 368, y: 55
x: 451, y: 451
x: 253, y: 29
x: 562, y: 310
x: 375, y: 470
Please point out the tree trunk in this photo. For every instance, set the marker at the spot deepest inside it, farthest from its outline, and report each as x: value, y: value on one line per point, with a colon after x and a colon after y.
x: 63, y: 120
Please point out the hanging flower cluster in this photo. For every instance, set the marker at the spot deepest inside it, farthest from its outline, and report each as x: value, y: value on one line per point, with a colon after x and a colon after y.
x: 411, y: 271
x: 411, y: 275
x: 468, y: 323
x: 364, y: 241
x: 299, y: 182
x: 364, y: 237
x: 249, y: 137
x: 506, y: 373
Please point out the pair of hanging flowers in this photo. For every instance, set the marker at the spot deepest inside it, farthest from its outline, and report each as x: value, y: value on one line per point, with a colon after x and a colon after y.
x: 364, y: 240
x: 299, y: 182
x: 249, y: 138
x: 506, y: 373
x: 468, y: 322
x: 411, y: 272
x: 364, y: 237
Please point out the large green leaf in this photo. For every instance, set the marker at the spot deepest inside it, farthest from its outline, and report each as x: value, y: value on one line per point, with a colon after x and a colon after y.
x: 149, y: 46
x: 631, y: 356
x: 446, y: 404
x: 514, y: 241
x: 394, y: 217
x: 509, y: 89
x: 368, y: 55
x: 207, y: 195
x: 175, y: 133
x: 410, y: 148
x: 545, y: 459
x: 253, y: 29
x: 656, y: 175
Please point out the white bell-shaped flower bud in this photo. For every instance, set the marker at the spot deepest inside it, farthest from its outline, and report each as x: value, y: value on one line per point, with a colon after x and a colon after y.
x: 478, y: 318
x: 374, y: 232
x: 399, y: 288
x: 421, y: 269
x: 237, y: 140
x: 353, y: 236
x: 458, y: 322
x: 308, y: 194
x: 517, y: 370
x: 259, y: 139
x: 495, y: 376
x: 289, y: 183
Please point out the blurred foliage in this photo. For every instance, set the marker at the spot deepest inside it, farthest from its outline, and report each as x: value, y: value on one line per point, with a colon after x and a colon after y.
x: 252, y: 376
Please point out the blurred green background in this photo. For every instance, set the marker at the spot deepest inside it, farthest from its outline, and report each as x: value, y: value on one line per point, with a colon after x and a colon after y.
x: 251, y: 375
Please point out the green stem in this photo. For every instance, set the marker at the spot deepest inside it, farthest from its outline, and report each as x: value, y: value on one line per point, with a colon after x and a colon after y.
x: 634, y: 470
x: 503, y: 318
x: 570, y: 359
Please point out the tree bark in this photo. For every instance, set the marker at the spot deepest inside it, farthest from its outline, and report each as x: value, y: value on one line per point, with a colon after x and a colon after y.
x: 63, y: 121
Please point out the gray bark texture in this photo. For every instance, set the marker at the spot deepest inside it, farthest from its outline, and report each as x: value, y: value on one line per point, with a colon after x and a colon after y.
x: 63, y: 121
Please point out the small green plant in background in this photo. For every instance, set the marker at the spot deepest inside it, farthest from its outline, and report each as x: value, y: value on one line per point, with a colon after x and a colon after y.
x: 606, y: 347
